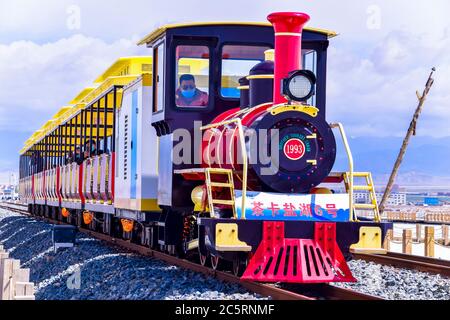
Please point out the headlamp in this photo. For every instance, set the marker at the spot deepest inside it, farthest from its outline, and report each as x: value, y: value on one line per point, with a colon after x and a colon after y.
x: 299, y: 86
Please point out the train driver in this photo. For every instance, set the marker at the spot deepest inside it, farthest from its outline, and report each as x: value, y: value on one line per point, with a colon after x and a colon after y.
x: 188, y: 94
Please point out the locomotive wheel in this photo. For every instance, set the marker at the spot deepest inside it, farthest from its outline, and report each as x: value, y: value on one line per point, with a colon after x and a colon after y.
x: 215, y: 261
x: 203, y: 258
x: 239, y: 267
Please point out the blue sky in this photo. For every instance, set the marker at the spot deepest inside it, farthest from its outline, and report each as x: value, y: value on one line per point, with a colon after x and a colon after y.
x: 382, y: 55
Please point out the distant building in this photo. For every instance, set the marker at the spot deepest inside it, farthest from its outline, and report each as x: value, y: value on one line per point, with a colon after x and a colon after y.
x: 431, y: 201
x: 395, y: 199
x: 6, y: 192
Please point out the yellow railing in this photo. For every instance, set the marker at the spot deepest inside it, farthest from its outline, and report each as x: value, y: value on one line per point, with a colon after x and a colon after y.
x: 350, y: 168
x: 238, y: 123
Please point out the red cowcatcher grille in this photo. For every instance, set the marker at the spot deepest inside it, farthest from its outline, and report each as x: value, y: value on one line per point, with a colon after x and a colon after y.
x: 278, y: 259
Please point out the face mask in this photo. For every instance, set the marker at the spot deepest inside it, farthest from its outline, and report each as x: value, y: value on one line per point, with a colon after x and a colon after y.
x: 188, y: 93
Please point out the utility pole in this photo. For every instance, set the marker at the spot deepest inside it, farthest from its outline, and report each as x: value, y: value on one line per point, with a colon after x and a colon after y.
x: 411, y: 132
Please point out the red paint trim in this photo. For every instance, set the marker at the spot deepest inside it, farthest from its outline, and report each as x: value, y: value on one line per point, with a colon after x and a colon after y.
x: 58, y: 184
x: 80, y: 184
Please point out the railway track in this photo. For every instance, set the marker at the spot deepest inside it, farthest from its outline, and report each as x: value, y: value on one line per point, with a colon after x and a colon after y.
x: 419, y: 263
x: 285, y: 292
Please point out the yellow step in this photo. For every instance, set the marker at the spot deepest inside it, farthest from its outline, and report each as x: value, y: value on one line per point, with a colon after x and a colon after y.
x: 359, y: 174
x: 221, y: 185
x: 365, y: 206
x: 219, y: 171
x: 368, y: 250
x: 363, y: 188
x: 226, y: 202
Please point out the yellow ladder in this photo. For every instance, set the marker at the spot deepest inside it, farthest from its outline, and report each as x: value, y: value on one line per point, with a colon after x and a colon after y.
x: 213, y: 184
x: 369, y: 187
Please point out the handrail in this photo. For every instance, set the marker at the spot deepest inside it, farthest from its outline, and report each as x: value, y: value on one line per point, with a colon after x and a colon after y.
x: 350, y: 167
x: 238, y: 123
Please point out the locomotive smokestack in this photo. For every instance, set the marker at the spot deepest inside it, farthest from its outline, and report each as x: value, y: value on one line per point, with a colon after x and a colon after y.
x: 288, y: 46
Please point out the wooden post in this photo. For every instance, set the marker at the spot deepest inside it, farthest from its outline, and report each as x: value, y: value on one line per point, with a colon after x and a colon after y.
x: 23, y: 290
x: 429, y: 242
x: 445, y: 238
x: 14, y: 283
x: 407, y: 242
x: 3, y: 257
x: 7, y: 268
x: 411, y: 131
x: 387, y: 240
x: 418, y: 232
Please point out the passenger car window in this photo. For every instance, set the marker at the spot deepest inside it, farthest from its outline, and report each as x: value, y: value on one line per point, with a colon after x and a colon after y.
x: 192, y: 76
x: 237, y: 60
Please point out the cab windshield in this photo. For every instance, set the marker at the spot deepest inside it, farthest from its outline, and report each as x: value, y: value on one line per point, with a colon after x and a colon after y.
x: 237, y: 60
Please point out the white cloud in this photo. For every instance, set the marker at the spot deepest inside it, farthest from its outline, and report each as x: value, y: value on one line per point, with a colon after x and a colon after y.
x: 112, y: 19
x: 382, y: 69
x: 373, y: 93
x: 38, y: 79
x: 43, y: 76
x: 372, y: 76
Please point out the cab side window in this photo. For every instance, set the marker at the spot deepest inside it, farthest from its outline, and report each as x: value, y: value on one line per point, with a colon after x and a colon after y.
x: 158, y: 78
x: 310, y: 63
x: 192, y: 76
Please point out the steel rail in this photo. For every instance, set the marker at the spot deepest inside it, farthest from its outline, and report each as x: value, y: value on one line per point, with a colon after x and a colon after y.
x: 423, y: 264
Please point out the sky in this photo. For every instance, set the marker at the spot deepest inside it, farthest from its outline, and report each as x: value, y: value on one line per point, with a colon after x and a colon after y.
x: 51, y: 49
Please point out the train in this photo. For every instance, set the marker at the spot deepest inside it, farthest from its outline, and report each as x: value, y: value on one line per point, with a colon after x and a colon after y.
x: 216, y: 147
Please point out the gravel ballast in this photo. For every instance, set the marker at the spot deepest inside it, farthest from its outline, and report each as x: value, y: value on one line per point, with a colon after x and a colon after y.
x: 396, y: 283
x: 95, y: 270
